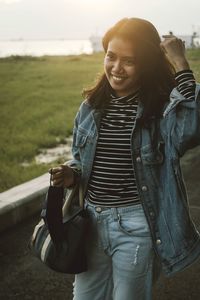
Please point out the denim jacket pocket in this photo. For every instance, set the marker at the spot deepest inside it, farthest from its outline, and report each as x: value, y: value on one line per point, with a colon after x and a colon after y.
x: 81, y: 138
x: 152, y: 159
x: 84, y: 144
x: 153, y: 155
x: 180, y: 183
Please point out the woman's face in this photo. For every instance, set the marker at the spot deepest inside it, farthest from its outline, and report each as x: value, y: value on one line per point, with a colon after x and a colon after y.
x: 120, y: 67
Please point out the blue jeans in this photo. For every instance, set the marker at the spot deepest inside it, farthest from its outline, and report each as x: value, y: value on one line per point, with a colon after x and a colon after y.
x: 120, y: 256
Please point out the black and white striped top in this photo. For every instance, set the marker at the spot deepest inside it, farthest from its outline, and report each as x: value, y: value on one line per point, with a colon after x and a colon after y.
x: 112, y: 182
x: 186, y: 83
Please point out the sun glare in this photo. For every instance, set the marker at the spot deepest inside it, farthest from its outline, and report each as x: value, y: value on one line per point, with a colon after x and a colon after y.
x: 97, y: 5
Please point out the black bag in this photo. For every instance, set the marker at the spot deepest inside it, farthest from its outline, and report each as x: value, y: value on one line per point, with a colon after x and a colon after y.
x: 59, y: 238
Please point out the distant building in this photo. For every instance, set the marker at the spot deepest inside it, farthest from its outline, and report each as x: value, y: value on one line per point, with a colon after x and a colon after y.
x: 187, y: 39
x: 196, y: 42
x: 191, y: 41
x: 96, y: 42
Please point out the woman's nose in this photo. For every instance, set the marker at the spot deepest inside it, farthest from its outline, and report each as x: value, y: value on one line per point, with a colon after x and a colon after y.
x: 117, y: 67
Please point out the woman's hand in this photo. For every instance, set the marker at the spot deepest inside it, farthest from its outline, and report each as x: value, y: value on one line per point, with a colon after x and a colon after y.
x: 62, y: 176
x: 174, y: 49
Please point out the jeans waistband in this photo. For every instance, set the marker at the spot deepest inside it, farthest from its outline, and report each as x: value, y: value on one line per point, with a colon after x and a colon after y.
x: 101, y: 208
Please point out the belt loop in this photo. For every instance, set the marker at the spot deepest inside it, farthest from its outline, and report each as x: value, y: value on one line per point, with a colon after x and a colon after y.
x: 115, y: 213
x: 85, y: 204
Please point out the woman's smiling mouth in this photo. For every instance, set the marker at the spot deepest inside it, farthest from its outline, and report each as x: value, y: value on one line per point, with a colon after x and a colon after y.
x: 118, y: 78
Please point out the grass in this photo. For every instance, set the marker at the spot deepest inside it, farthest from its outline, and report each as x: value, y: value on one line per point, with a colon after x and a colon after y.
x: 193, y: 56
x: 39, y: 98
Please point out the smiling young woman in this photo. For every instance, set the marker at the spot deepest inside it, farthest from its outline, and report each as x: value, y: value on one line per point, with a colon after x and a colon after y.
x: 120, y: 65
x: 146, y: 61
x: 129, y: 134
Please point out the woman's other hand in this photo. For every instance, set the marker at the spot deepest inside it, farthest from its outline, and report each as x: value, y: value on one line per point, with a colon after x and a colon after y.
x: 62, y: 175
x: 174, y: 49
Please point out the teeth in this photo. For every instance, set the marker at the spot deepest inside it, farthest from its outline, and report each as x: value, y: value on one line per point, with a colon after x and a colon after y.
x: 117, y: 78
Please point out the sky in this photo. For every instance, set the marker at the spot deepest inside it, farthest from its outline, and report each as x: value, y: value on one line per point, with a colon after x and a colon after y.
x: 79, y: 19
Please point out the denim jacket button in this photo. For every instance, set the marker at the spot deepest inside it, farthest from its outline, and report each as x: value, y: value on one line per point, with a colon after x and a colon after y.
x: 144, y: 188
x: 158, y: 242
x: 138, y: 159
x: 152, y: 214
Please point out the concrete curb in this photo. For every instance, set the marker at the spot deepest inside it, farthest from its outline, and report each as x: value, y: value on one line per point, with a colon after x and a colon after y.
x: 22, y: 201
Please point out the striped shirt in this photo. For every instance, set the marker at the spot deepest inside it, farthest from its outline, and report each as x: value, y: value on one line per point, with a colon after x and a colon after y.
x: 112, y: 182
x: 186, y: 83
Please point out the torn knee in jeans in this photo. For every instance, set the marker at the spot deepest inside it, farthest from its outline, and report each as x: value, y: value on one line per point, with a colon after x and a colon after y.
x: 136, y: 255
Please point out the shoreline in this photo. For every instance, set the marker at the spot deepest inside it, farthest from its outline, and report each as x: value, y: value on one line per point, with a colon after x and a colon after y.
x: 43, y: 47
x: 39, y: 57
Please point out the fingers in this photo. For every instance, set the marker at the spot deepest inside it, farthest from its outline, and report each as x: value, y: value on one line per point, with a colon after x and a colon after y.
x: 58, y: 183
x: 172, y: 45
x: 58, y: 179
x: 55, y: 170
x: 168, y: 37
x: 57, y: 176
x: 174, y: 50
x: 62, y: 175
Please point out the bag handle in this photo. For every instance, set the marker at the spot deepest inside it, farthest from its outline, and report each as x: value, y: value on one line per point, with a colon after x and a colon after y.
x: 71, y: 197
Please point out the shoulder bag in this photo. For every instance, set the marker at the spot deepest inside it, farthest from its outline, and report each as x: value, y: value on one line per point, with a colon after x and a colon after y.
x: 59, y: 238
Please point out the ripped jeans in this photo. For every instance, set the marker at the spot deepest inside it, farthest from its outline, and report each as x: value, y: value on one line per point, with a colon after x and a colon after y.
x: 120, y: 256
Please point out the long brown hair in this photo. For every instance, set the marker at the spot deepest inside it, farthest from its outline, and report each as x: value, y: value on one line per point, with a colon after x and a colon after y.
x: 157, y: 74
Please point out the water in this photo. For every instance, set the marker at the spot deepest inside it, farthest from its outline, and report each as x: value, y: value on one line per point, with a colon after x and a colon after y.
x: 61, y: 151
x: 44, y: 47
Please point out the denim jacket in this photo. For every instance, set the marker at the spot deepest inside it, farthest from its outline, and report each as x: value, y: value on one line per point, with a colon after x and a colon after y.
x: 156, y: 153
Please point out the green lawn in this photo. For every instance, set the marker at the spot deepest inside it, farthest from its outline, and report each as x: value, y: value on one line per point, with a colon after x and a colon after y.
x: 39, y: 98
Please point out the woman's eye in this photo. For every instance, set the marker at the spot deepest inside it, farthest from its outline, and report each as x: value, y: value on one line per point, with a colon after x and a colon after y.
x: 110, y: 56
x: 130, y: 62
